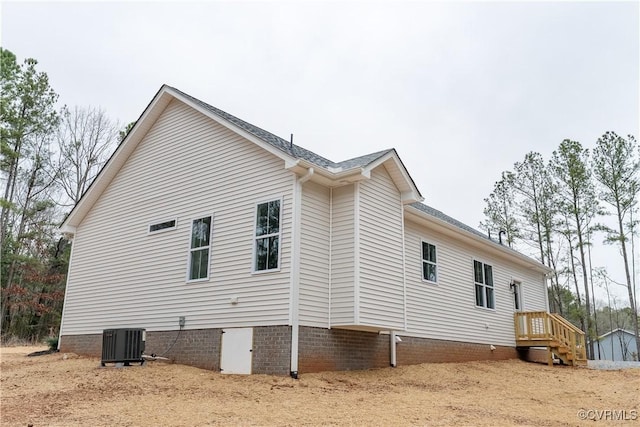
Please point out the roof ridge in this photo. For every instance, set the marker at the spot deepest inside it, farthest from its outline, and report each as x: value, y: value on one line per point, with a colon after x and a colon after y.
x: 282, y: 144
x: 371, y: 157
x: 268, y: 137
x: 439, y: 214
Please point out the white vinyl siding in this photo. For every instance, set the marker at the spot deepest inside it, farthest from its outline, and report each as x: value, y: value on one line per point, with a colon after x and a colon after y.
x: 314, y: 255
x: 133, y: 279
x: 381, y: 287
x: 448, y: 311
x: 343, y: 256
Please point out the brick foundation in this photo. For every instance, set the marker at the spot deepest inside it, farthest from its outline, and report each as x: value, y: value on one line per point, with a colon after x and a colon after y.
x: 200, y: 347
x: 271, y: 350
x: 197, y: 347
x: 320, y: 349
x: 84, y: 345
x: 341, y: 350
x: 412, y: 351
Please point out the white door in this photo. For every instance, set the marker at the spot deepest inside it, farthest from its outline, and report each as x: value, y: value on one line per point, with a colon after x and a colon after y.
x: 235, y: 356
x: 517, y: 295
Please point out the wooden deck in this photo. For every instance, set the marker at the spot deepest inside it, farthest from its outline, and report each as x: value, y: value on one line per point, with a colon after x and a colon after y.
x: 559, y: 336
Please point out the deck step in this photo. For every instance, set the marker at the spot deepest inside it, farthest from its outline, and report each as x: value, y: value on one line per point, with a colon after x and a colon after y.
x: 559, y: 336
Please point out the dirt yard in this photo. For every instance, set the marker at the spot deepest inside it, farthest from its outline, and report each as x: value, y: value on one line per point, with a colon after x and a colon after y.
x: 67, y: 390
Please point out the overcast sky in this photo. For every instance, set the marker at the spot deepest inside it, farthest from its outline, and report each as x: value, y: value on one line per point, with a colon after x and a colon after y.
x: 461, y: 90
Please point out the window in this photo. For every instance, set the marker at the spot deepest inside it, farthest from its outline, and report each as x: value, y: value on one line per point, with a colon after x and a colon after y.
x: 163, y: 226
x: 267, y: 238
x: 200, y: 246
x: 429, y: 266
x: 483, y: 278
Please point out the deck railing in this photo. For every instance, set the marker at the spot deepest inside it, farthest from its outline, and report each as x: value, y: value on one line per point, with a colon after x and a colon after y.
x: 548, y: 328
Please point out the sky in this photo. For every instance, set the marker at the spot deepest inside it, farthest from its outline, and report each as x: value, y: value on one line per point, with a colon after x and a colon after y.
x: 462, y: 90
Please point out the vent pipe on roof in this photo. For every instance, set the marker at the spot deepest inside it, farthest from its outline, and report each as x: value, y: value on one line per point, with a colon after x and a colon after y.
x: 500, y: 233
x: 291, y: 146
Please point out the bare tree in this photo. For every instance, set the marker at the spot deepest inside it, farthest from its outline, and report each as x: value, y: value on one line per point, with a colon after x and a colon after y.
x: 86, y: 138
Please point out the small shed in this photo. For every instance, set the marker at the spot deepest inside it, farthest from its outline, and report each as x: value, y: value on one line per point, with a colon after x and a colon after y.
x: 618, y: 344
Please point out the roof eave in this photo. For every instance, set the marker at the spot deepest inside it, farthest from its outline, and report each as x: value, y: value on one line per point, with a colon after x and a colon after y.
x: 232, y: 127
x: 468, y: 236
x: 300, y: 167
x: 401, y: 177
x: 157, y: 105
x: 326, y: 177
x: 117, y: 160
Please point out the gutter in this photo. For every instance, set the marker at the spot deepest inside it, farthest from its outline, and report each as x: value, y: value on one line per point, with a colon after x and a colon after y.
x: 501, y: 249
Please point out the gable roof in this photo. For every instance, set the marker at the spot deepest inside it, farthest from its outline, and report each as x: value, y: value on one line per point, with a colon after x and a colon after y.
x: 615, y: 331
x: 297, y: 159
x: 286, y: 146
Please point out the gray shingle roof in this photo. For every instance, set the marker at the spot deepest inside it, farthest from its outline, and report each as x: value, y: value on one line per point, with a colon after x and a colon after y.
x: 363, y: 160
x: 446, y: 218
x: 302, y: 153
x: 284, y: 145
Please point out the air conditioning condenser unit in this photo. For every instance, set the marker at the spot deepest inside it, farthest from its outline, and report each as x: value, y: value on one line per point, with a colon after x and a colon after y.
x: 123, y: 346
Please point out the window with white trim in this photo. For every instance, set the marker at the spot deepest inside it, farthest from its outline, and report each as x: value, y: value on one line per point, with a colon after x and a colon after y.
x: 200, y: 248
x: 429, y: 263
x: 483, y: 278
x: 267, y: 236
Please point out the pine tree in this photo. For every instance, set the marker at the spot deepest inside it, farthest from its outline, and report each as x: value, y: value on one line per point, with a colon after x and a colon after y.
x: 616, y: 168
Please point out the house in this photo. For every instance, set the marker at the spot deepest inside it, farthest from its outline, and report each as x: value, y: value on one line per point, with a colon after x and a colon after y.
x: 618, y: 344
x: 239, y: 251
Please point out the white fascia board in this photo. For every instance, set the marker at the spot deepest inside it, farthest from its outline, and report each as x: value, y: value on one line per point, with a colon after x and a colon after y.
x: 301, y: 166
x: 326, y: 176
x: 477, y: 241
x: 614, y: 331
x: 164, y: 96
x: 408, y: 189
x: 409, y: 197
x: 117, y: 159
x: 67, y: 229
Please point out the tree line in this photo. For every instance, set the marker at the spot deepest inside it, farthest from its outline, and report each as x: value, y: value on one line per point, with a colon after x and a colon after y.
x: 558, y: 209
x: 48, y: 157
x: 551, y: 209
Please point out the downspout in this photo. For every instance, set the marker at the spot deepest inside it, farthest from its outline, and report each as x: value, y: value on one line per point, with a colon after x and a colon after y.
x: 295, y: 273
x: 392, y: 349
x: 66, y: 289
x: 404, y: 268
x: 545, y: 286
x: 356, y: 253
x: 330, y: 257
